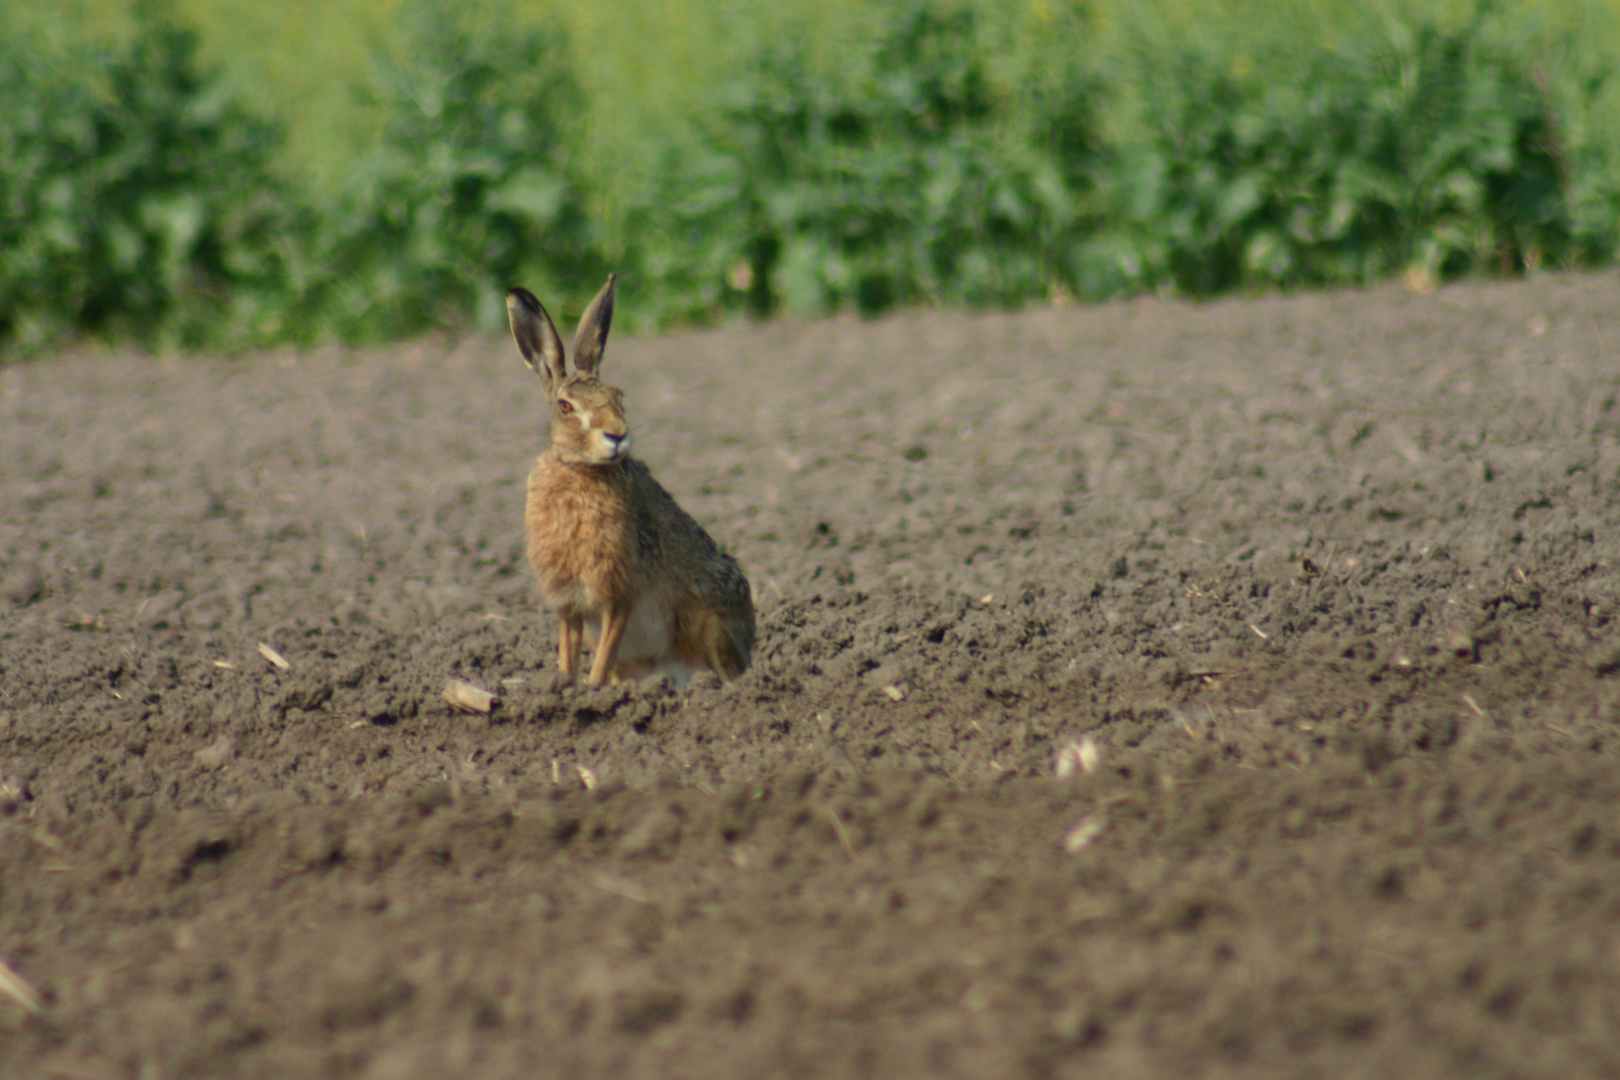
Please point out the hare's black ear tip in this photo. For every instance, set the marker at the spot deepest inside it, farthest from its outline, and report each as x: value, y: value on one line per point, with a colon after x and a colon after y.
x: 519, y: 297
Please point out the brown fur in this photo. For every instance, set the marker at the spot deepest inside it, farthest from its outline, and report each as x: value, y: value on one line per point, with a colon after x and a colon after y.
x: 607, y: 543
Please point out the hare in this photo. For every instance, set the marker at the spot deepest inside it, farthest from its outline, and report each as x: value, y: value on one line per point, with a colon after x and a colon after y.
x: 622, y: 565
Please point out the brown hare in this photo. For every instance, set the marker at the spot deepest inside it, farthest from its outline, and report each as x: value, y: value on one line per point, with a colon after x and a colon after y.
x: 619, y: 562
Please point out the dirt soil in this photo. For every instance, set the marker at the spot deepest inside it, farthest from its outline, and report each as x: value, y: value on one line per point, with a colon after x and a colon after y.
x: 1141, y: 690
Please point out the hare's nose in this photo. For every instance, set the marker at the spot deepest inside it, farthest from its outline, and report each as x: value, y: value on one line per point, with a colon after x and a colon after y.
x: 619, y: 444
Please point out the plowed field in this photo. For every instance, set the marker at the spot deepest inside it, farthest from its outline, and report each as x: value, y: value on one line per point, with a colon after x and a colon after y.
x: 1142, y: 690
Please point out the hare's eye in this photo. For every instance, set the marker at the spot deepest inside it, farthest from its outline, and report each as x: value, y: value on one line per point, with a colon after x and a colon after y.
x: 565, y: 407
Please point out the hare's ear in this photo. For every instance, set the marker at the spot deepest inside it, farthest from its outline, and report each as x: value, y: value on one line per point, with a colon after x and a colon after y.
x: 536, y: 337
x: 591, y: 336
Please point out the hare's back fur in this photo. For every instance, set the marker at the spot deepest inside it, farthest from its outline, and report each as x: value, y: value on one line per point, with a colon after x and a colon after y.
x: 611, y: 535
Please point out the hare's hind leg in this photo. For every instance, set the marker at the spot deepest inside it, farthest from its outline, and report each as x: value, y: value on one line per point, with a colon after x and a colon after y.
x: 570, y: 636
x: 724, y: 641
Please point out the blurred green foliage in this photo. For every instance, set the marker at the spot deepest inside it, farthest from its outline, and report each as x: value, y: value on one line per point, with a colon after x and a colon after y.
x: 895, y: 182
x: 466, y: 191
x: 170, y: 174
x: 137, y: 202
x: 1421, y: 148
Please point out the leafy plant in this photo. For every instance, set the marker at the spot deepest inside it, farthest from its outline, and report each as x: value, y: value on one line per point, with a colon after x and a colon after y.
x: 466, y: 192
x: 141, y: 204
x: 1425, y: 150
x: 955, y: 152
x: 896, y: 181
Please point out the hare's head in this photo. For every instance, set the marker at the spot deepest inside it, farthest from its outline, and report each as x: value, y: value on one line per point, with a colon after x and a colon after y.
x: 587, y: 415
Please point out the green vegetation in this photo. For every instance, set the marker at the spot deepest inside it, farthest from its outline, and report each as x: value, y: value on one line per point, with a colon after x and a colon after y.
x: 188, y: 173
x: 140, y: 203
x: 464, y: 191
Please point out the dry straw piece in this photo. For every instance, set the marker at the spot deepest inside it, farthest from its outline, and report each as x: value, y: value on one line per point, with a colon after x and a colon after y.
x: 845, y: 841
x: 1082, y: 754
x: 619, y: 886
x: 1083, y: 833
x: 81, y: 620
x: 274, y: 657
x: 15, y: 987
x: 1089, y: 755
x: 467, y: 697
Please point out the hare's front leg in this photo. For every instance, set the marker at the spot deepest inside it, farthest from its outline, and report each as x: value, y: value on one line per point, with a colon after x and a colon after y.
x: 570, y: 636
x: 614, y: 620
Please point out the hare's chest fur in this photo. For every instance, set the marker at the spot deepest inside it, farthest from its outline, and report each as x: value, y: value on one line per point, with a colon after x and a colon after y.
x: 581, y: 530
